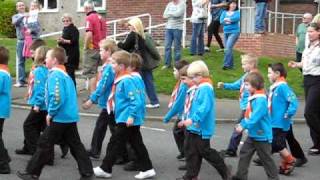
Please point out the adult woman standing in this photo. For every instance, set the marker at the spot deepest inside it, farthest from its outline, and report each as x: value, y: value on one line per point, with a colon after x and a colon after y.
x: 310, y: 65
x: 70, y: 42
x: 230, y: 19
x: 135, y: 42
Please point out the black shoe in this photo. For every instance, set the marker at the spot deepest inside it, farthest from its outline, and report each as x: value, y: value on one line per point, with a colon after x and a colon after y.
x: 121, y: 161
x: 180, y: 157
x: 27, y: 176
x: 5, y: 168
x: 235, y: 178
x: 64, y: 150
x: 257, y: 161
x: 300, y: 162
x: 131, y: 166
x: 23, y: 152
x: 227, y: 68
x: 182, y: 167
x: 228, y: 153
x: 313, y: 151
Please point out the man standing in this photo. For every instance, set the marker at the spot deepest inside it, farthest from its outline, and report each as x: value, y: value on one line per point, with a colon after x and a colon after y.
x: 174, y: 13
x: 17, y: 21
x: 261, y: 11
x: 301, y: 35
x: 92, y: 38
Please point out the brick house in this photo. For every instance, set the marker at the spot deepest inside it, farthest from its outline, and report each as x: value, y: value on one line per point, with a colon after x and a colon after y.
x: 115, y: 9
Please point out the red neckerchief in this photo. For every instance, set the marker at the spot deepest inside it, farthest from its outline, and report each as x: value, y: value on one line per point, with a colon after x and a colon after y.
x: 279, y: 81
x: 174, y: 94
x: 258, y: 93
x: 110, y: 100
x: 4, y: 68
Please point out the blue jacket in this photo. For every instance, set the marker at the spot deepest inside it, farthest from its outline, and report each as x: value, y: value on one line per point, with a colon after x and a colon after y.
x: 234, y: 26
x: 202, y: 111
x: 5, y: 93
x: 37, y: 98
x: 244, y: 93
x: 258, y: 121
x: 283, y: 103
x: 102, y: 92
x: 61, y: 97
x: 128, y: 103
x: 178, y: 105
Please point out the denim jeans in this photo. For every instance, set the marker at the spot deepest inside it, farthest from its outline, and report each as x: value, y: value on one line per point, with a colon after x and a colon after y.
x: 172, y: 35
x: 229, y: 40
x: 21, y: 62
x: 147, y: 78
x: 261, y: 11
x: 197, y: 39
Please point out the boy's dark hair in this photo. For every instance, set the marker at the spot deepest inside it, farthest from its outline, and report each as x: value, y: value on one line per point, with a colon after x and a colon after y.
x: 256, y: 80
x: 183, y: 71
x: 135, y: 62
x: 59, y: 53
x: 4, y: 55
x: 278, y: 67
x: 37, y: 43
x: 180, y: 64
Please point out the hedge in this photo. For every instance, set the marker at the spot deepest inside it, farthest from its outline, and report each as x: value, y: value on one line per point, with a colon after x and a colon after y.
x: 7, y: 10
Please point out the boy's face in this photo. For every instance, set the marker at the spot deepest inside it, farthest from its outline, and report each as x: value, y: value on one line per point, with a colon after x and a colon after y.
x: 196, y: 79
x: 186, y: 80
x: 175, y: 73
x: 116, y: 67
x: 272, y: 76
x: 50, y: 61
x: 248, y: 86
x: 20, y: 7
x: 246, y: 66
x: 105, y: 55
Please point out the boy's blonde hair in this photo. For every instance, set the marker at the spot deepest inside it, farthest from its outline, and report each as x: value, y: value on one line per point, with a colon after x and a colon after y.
x: 58, y: 53
x: 122, y: 57
x: 198, y: 68
x: 135, y: 62
x: 108, y: 44
x: 250, y: 59
x: 138, y: 26
x: 40, y: 55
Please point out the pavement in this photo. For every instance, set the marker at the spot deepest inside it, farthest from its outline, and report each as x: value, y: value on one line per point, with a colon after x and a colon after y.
x: 227, y: 111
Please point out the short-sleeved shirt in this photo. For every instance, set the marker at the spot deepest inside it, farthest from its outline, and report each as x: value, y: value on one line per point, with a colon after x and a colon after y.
x: 93, y: 24
x: 301, y: 35
x: 216, y: 12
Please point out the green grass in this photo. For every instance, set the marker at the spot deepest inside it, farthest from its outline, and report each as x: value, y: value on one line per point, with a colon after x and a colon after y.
x: 165, y: 81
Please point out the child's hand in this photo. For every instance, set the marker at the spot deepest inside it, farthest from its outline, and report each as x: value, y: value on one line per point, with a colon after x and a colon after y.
x: 48, y: 120
x: 187, y: 122
x: 180, y: 124
x: 87, y: 104
x: 238, y: 128
x: 36, y: 108
x: 129, y: 122
x: 292, y: 64
x: 220, y: 84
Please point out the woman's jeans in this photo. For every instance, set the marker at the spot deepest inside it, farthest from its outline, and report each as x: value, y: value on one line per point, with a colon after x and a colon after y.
x: 261, y: 11
x: 229, y: 40
x: 147, y: 78
x: 172, y: 36
x: 197, y: 39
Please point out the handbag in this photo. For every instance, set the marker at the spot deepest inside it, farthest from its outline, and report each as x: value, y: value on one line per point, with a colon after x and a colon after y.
x: 202, y: 12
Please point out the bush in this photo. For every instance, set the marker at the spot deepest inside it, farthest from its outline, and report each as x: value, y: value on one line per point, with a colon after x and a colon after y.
x: 7, y: 10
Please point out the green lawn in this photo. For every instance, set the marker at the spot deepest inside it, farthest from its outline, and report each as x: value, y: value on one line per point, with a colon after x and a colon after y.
x: 164, y: 78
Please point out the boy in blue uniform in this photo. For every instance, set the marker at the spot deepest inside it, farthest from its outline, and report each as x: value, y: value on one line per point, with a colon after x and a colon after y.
x: 62, y: 118
x: 249, y: 64
x: 200, y: 124
x: 5, y: 103
x: 176, y: 104
x: 257, y: 122
x: 100, y: 95
x: 128, y: 101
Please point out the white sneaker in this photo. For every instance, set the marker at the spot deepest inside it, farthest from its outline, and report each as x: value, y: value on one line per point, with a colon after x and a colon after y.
x: 18, y: 85
x: 164, y: 67
x: 207, y: 49
x: 145, y: 174
x: 98, y: 172
x: 152, y: 106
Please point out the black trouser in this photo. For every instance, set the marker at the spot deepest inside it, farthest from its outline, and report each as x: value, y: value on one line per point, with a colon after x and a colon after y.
x: 54, y: 134
x: 294, y: 145
x: 235, y: 138
x: 315, y: 139
x: 312, y: 107
x: 214, y: 29
x: 34, y: 124
x: 117, y: 143
x: 278, y: 140
x: 100, y: 130
x: 71, y: 72
x: 4, y: 156
x: 178, y: 134
x: 198, y: 148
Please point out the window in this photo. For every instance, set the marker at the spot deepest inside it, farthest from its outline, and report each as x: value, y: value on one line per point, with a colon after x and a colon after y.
x: 49, y: 5
x: 98, y: 4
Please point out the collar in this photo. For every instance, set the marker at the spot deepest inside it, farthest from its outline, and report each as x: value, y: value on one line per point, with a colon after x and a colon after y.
x: 279, y: 81
x: 91, y: 12
x: 121, y: 75
x: 4, y: 68
x: 258, y: 93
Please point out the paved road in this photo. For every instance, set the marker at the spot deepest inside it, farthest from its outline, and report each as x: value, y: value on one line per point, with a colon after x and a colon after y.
x: 160, y: 143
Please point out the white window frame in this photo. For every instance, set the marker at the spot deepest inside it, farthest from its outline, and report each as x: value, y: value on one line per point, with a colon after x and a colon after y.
x: 45, y: 9
x: 104, y: 6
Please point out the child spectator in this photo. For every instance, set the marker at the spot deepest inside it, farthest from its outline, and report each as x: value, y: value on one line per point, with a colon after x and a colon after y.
x: 176, y: 105
x: 62, y: 119
x: 257, y: 122
x: 200, y: 124
x: 249, y: 64
x: 128, y: 102
x: 35, y: 122
x: 5, y: 103
x: 105, y: 79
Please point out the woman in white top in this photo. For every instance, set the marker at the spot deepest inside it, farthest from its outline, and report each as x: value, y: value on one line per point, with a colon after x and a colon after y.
x: 310, y: 65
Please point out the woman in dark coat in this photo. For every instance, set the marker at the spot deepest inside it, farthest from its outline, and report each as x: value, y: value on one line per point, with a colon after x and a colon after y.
x: 70, y: 42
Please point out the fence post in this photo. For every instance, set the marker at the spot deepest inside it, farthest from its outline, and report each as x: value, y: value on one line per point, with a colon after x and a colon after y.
x: 282, y: 23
